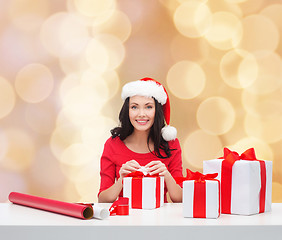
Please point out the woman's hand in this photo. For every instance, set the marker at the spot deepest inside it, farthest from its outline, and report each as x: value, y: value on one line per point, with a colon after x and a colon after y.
x: 128, y: 167
x: 157, y: 167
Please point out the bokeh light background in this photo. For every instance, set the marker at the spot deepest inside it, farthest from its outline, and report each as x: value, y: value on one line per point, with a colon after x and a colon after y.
x: 63, y: 63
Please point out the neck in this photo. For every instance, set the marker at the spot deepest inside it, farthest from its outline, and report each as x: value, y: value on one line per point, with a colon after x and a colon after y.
x: 137, y: 142
x: 140, y: 137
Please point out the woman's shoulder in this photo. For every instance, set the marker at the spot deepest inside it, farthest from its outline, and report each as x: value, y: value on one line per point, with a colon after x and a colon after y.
x: 112, y: 142
x: 174, y: 144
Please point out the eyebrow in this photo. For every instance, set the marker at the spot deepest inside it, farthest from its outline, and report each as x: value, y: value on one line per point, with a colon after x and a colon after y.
x: 148, y: 103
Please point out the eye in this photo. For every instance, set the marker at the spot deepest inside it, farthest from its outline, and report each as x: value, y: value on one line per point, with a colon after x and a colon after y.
x: 149, y: 107
x: 133, y: 107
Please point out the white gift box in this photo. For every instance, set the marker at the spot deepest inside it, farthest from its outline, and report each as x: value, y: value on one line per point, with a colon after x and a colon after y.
x: 151, y: 192
x: 211, y: 199
x: 246, y: 184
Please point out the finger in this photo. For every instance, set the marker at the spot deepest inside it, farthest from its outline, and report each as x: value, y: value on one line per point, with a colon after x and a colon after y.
x: 153, y: 168
x: 134, y: 163
x: 158, y: 171
x: 129, y: 168
x: 152, y: 163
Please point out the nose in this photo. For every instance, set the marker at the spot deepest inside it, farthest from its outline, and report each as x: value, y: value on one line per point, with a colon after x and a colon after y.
x: 141, y: 112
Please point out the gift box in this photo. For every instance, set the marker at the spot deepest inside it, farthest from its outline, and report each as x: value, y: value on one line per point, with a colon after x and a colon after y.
x: 246, y: 182
x: 144, y: 192
x: 201, y: 195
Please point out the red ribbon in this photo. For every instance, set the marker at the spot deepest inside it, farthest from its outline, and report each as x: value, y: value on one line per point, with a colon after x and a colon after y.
x: 197, y: 176
x: 136, y: 188
x: 120, y: 207
x: 199, y: 206
x: 230, y: 158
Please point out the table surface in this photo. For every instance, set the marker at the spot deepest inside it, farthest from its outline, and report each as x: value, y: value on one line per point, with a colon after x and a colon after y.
x: 170, y: 214
x: 15, y: 220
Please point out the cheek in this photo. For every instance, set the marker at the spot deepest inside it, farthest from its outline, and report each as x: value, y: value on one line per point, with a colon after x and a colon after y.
x: 132, y: 115
x: 152, y: 114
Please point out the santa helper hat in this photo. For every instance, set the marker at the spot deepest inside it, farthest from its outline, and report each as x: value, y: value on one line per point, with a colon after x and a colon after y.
x: 149, y: 87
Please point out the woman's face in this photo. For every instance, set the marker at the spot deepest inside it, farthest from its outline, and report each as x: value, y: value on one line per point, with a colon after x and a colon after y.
x: 141, y: 112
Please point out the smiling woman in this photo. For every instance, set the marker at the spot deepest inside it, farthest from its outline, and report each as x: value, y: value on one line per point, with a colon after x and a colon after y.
x: 142, y: 140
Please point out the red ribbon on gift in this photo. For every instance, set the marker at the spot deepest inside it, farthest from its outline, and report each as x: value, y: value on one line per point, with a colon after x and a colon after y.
x: 136, y: 188
x: 230, y: 157
x: 120, y: 207
x: 199, y: 206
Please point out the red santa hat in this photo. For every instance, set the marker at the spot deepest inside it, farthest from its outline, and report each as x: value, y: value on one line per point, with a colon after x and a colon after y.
x: 149, y: 87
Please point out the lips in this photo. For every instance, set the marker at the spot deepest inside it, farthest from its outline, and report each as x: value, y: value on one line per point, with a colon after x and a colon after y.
x: 142, y: 121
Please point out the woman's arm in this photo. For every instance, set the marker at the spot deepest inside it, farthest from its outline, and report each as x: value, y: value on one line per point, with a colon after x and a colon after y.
x: 112, y: 193
x: 174, y: 190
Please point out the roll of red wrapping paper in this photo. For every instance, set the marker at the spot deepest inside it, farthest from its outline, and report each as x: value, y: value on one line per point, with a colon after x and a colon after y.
x: 70, y: 209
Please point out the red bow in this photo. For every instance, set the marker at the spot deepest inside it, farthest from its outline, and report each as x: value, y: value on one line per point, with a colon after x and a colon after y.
x: 140, y: 174
x: 230, y: 157
x: 197, y: 176
x: 120, y: 207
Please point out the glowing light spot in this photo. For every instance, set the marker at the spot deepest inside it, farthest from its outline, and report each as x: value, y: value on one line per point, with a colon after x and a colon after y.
x: 69, y: 82
x: 274, y: 13
x: 192, y: 19
x: 41, y: 117
x: 238, y: 68
x: 92, y: 8
x: 269, y: 73
x: 79, y: 173
x: 112, y: 80
x: 83, y: 188
x: 77, y: 154
x: 7, y: 98
x: 97, y: 56
x: 63, y: 136
x: 96, y: 133
x: 64, y: 34
x: 117, y: 25
x: 183, y: 48
x: 225, y: 32
x: 262, y: 149
x: 258, y: 27
x: 186, y: 79
x: 269, y: 105
x: 20, y: 150
x: 84, y: 102
x: 266, y: 129
x: 73, y: 64
x: 34, y: 83
x: 28, y: 14
x: 194, y: 145
x: 115, y: 50
x: 216, y: 115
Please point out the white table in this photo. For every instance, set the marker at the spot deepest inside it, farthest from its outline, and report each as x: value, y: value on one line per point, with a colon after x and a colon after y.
x: 19, y: 222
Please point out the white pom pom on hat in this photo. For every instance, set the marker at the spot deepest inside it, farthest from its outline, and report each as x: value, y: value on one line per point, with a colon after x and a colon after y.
x: 149, y: 87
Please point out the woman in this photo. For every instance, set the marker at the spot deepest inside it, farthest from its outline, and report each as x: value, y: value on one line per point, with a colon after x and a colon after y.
x: 142, y: 140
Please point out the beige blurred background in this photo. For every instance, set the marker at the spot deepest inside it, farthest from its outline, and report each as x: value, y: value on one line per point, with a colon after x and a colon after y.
x: 63, y: 63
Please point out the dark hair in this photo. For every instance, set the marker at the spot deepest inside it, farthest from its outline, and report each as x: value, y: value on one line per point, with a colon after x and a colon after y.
x: 126, y: 129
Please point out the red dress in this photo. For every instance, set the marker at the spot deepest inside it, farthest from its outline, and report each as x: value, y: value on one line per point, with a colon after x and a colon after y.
x: 116, y: 153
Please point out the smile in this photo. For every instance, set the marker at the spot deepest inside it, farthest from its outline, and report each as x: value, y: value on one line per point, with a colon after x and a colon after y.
x: 142, y: 122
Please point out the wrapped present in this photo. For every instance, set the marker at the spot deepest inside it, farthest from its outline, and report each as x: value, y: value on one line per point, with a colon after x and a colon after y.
x: 201, y: 195
x: 144, y: 191
x: 246, y: 182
